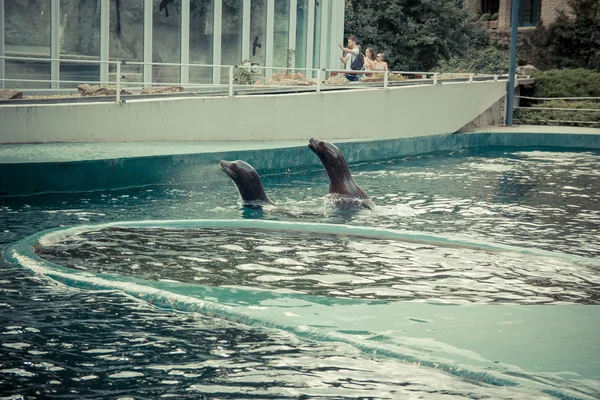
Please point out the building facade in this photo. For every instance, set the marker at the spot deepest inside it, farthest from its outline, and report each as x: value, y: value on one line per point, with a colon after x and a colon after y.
x: 189, y: 39
x: 531, y: 12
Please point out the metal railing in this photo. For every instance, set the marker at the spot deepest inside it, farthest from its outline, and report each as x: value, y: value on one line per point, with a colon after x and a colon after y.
x: 262, y: 77
x: 563, y: 109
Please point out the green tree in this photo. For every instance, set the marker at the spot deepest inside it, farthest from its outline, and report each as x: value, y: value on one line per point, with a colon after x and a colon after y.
x: 571, y: 41
x: 414, y: 34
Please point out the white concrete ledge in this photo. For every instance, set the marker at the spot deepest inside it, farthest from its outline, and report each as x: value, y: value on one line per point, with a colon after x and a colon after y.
x: 351, y: 114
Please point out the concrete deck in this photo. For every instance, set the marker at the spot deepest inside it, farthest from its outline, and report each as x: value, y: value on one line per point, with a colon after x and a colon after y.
x: 73, y: 152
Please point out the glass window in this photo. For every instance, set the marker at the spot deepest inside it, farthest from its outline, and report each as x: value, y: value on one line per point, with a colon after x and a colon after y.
x: 231, y: 35
x: 126, y: 41
x: 529, y: 12
x: 166, y: 41
x: 301, y: 33
x: 282, y: 54
x: 79, y: 40
x: 258, y: 32
x: 23, y: 41
x: 201, y: 39
x: 490, y: 6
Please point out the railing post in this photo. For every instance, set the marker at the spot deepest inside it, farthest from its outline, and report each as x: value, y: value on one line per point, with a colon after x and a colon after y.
x: 435, y: 78
x: 230, y: 81
x: 385, y: 79
x: 118, y: 82
x: 318, y: 81
x: 495, y: 78
x: 471, y: 77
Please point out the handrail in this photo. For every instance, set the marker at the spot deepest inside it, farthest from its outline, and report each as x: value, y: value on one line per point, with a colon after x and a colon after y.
x: 558, y: 98
x: 559, y: 108
x: 426, y: 77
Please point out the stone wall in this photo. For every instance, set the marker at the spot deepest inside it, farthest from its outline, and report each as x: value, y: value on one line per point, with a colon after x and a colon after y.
x: 550, y: 7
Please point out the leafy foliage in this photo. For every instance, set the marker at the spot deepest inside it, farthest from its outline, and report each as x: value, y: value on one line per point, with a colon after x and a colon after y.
x: 486, y: 60
x: 566, y: 83
x: 414, y: 34
x: 571, y: 41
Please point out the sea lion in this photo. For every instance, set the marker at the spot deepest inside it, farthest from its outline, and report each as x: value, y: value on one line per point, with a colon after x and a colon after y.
x: 343, y: 191
x: 248, y: 183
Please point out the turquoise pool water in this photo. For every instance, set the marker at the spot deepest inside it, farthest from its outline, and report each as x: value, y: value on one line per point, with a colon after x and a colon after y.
x: 508, y: 310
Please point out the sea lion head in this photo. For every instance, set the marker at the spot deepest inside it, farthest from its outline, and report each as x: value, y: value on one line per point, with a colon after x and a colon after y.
x: 332, y: 159
x: 247, y: 181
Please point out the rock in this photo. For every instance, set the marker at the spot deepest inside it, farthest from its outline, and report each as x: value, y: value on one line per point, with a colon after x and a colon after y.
x: 167, y: 89
x: 377, y: 78
x: 8, y: 94
x: 338, y: 79
x: 526, y: 70
x: 87, y: 90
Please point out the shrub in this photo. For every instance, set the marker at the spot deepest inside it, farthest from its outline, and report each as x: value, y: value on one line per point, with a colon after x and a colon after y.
x: 531, y: 116
x: 571, y: 41
x: 566, y: 83
x: 486, y: 60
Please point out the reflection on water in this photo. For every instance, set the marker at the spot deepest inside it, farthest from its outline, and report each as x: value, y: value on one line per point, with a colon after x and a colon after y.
x: 60, y: 341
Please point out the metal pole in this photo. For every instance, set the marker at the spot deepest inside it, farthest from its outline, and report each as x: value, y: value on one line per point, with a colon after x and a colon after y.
x: 385, y: 79
x: 184, y: 71
x: 510, y: 90
x: 147, y: 43
x: 118, y: 82
x: 435, y: 78
x: 55, y: 43
x: 217, y: 31
x: 2, y: 44
x: 104, y: 41
x: 230, y: 81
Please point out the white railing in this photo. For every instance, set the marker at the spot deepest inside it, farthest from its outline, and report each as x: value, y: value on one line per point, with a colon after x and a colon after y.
x: 262, y: 78
x: 562, y: 109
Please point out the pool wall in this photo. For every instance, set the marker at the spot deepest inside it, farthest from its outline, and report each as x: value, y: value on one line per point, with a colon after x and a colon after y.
x: 25, y: 178
x: 406, y: 111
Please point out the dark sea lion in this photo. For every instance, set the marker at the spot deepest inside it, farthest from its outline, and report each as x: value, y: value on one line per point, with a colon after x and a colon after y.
x: 248, y: 183
x: 343, y: 191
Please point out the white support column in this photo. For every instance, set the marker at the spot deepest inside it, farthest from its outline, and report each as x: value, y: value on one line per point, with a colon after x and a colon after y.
x: 246, y: 30
x: 324, y: 34
x: 333, y: 36
x: 341, y: 21
x: 2, y: 44
x: 185, y: 41
x: 292, y: 34
x: 148, y: 42
x: 104, y: 38
x: 310, y: 36
x: 270, y: 33
x: 54, y: 43
x: 217, y: 18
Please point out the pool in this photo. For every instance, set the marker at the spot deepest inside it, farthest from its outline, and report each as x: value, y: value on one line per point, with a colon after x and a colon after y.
x: 476, y: 276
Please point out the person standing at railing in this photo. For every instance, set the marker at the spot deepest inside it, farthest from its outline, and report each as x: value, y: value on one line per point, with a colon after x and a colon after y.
x: 354, y: 53
x: 370, y: 60
x: 381, y: 65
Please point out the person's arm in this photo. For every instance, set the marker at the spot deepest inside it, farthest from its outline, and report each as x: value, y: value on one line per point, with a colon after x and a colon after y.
x: 386, y: 67
x: 346, y: 49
